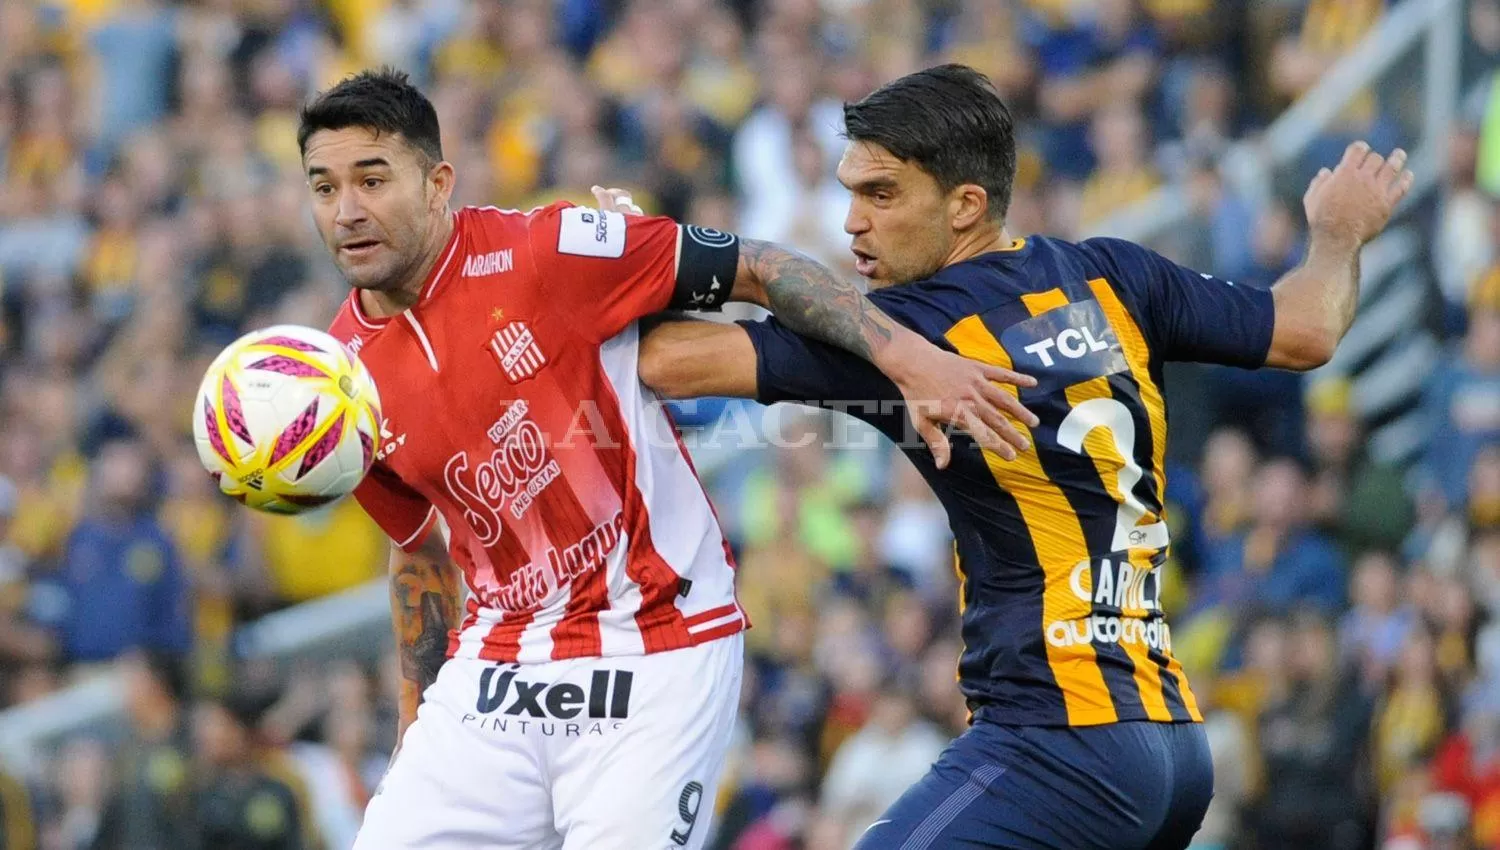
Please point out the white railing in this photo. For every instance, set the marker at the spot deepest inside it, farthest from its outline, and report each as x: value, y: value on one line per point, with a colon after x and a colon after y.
x: 1248, y: 166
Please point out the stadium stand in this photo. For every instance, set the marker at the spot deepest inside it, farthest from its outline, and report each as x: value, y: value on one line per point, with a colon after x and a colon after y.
x: 1337, y: 549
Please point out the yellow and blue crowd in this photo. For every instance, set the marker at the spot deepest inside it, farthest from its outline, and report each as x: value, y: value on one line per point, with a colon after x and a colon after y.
x: 1336, y: 614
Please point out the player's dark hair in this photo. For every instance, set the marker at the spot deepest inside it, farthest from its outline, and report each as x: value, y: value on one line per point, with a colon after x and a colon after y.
x: 950, y: 122
x: 384, y: 101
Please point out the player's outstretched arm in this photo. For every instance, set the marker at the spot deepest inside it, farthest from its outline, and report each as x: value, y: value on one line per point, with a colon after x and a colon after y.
x: 1346, y: 208
x: 425, y: 604
x: 688, y: 358
x: 940, y: 388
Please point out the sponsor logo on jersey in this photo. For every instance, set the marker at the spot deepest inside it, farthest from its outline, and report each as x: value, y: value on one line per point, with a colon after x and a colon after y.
x: 586, y: 232
x: 509, y: 703
x: 511, y: 479
x: 482, y: 265
x: 530, y: 585
x: 516, y: 350
x: 389, y: 442
x: 1125, y: 602
x: 1065, y: 345
x: 607, y: 696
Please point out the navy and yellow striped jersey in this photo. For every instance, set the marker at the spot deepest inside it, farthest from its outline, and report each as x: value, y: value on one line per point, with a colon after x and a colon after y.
x: 1060, y: 551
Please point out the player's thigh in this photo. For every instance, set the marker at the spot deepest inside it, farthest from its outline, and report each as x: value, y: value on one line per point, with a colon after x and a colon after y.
x: 651, y: 782
x: 454, y: 786
x: 1022, y: 789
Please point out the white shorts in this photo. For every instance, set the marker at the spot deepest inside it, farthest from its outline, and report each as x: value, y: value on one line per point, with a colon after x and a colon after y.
x: 600, y: 753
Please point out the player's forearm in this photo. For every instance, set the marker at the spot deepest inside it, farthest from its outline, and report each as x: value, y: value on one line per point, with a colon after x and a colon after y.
x: 1315, y: 303
x: 688, y: 358
x: 425, y: 605
x: 813, y: 301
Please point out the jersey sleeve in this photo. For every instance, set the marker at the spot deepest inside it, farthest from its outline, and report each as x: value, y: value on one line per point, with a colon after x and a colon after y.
x: 1188, y: 315
x: 401, y: 512
x: 606, y: 269
x: 792, y: 368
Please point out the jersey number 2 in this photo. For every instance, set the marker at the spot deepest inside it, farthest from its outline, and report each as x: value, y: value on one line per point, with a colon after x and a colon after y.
x: 1114, y: 417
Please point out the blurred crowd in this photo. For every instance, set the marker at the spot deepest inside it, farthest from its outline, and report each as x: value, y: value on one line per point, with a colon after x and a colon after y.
x: 1335, y: 613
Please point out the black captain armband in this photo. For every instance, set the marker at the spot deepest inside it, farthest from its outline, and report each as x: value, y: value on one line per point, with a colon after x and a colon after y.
x: 706, y: 266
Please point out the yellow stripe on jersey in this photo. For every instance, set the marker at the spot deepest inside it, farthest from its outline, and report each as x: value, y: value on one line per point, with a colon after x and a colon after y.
x: 1040, y: 302
x: 1138, y: 355
x: 1058, y: 538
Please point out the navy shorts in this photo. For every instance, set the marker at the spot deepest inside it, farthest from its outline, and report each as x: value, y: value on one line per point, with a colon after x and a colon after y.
x: 1123, y: 786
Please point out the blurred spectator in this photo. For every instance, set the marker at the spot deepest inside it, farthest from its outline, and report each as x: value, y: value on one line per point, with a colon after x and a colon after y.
x: 1311, y: 740
x: 1373, y: 634
x: 82, y: 781
x: 17, y: 815
x: 1280, y: 560
x: 240, y: 804
x: 1410, y: 717
x: 1463, y: 401
x: 153, y: 805
x: 120, y: 560
x: 1123, y: 175
x: 1363, y: 504
x: 874, y: 767
x: 1466, y: 222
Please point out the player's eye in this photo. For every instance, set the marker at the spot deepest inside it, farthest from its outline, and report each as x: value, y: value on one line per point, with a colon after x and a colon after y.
x: 373, y: 182
x: 323, y: 189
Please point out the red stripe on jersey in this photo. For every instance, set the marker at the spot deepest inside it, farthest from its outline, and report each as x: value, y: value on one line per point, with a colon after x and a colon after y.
x: 659, y: 619
x: 503, y: 641
x: 732, y: 627
x: 710, y: 615
x: 471, y: 616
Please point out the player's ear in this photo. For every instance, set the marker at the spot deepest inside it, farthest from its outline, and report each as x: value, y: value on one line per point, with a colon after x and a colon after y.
x: 968, y: 205
x: 440, y: 179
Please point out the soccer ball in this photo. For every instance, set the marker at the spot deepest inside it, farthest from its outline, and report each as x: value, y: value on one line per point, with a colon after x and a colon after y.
x: 286, y: 420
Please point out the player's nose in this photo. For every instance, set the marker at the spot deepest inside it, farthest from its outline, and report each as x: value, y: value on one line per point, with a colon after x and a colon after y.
x: 350, y: 210
x: 856, y: 222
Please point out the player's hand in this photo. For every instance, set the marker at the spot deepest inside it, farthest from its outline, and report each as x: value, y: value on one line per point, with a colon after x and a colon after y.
x: 616, y: 200
x: 1352, y: 203
x: 945, y: 389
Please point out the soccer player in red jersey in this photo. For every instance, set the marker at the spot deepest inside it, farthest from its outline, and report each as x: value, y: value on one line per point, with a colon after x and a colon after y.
x: 562, y: 592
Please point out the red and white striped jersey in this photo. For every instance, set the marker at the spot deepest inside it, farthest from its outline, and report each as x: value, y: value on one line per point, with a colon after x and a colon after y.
x: 517, y: 425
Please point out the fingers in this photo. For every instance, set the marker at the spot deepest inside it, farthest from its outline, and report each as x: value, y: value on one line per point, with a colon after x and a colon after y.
x: 936, y: 440
x: 977, y: 421
x: 1354, y: 155
x: 1398, y: 179
x: 1403, y: 185
x: 1007, y: 402
x: 1394, y: 163
x: 999, y: 435
x: 615, y: 200
x: 1006, y: 376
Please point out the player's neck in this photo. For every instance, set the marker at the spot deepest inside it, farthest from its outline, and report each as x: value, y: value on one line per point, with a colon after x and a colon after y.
x: 981, y: 240
x: 384, y: 303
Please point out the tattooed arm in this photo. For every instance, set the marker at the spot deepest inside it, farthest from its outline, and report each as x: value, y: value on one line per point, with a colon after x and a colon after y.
x: 425, y: 604
x: 939, y: 387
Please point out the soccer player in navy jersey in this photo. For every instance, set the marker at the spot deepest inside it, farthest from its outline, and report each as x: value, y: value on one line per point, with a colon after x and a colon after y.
x: 1085, y: 732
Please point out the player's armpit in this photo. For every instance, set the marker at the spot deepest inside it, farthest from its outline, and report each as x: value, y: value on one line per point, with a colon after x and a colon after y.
x: 425, y: 604
x: 687, y: 358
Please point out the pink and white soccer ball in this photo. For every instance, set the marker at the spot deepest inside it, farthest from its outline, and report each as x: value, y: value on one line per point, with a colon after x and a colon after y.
x: 286, y: 420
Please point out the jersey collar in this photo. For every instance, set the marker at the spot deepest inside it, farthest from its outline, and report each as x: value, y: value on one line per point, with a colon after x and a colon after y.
x: 434, y: 276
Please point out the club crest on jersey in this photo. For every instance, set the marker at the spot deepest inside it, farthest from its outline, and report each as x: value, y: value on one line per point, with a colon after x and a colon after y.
x: 516, y: 350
